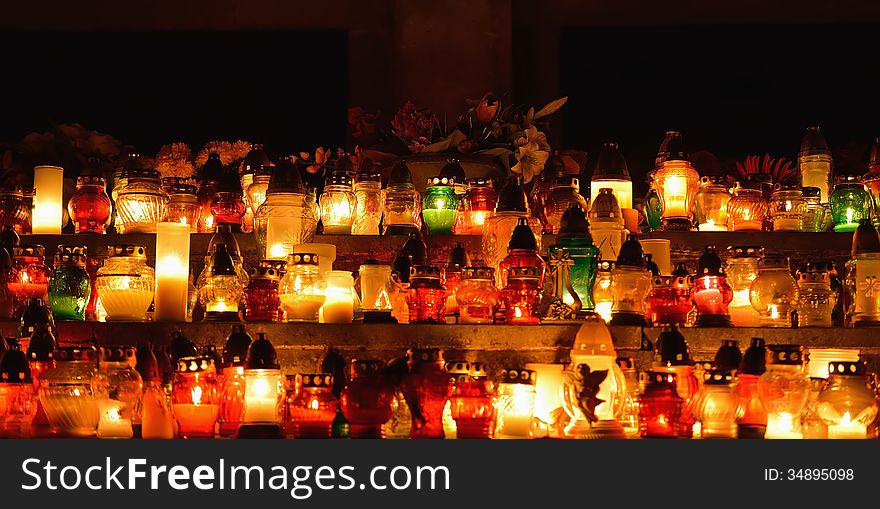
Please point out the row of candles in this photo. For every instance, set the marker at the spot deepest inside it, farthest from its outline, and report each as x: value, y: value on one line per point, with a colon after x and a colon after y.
x: 119, y: 392
x: 749, y: 289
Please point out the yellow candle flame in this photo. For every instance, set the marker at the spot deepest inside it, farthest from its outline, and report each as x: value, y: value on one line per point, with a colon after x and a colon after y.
x: 661, y: 419
x: 112, y: 414
x: 849, y: 215
x: 25, y: 278
x: 478, y: 218
x: 846, y: 420
x: 277, y: 251
x: 209, y: 221
x: 788, y: 205
x: 259, y: 388
x: 314, y: 404
x: 517, y: 312
x: 182, y: 220
x: 774, y: 313
x: 197, y: 395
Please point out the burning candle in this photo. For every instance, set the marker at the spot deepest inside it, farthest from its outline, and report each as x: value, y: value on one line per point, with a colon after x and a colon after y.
x: 195, y: 397
x: 172, y: 271
x: 516, y: 403
x: 49, y: 184
x: 339, y: 298
x: 710, y: 226
x: 847, y: 428
x: 111, y: 423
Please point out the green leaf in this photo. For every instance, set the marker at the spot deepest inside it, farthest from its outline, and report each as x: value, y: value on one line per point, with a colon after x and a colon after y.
x: 550, y: 108
x: 449, y: 143
x: 494, y: 152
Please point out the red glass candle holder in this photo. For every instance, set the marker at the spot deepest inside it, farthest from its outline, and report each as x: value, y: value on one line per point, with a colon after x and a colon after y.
x: 261, y: 297
x: 29, y: 277
x: 476, y: 296
x: 659, y: 405
x: 426, y: 296
x: 205, y: 196
x: 366, y: 400
x: 195, y: 397
x: 472, y: 403
x: 522, y: 296
x: 712, y: 296
x: 92, y: 265
x: 231, y: 400
x: 669, y: 302
x: 15, y: 210
x: 426, y: 388
x: 90, y: 207
x: 313, y: 408
x: 476, y: 206
x: 521, y: 258
x: 228, y: 207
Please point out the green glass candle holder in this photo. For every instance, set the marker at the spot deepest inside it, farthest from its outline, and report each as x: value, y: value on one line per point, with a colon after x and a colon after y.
x: 70, y: 287
x: 440, y: 205
x: 850, y: 203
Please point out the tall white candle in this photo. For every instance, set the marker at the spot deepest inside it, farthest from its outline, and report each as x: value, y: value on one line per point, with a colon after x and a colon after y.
x: 48, y: 186
x: 172, y: 271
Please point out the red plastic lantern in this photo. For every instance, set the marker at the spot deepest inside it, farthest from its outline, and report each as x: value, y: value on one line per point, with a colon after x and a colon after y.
x: 659, y: 405
x: 472, y: 403
x: 195, y: 397
x: 426, y: 388
x: 522, y: 296
x: 313, y: 408
x: 366, y: 399
x: 522, y: 251
x: 426, y: 295
x: 711, y: 293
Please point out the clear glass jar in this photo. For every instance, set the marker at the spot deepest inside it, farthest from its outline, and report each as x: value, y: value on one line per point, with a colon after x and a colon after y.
x: 477, y: 296
x: 376, y: 287
x: 603, y: 299
x: 118, y: 388
x: 68, y: 393
x: 629, y: 416
x: 284, y: 220
x: 774, y: 293
x: 440, y: 205
x: 850, y: 203
x: 183, y: 205
x: 126, y: 283
x: 256, y: 190
x: 141, y: 201
x: 337, y: 204
x: 677, y: 183
x: 630, y: 286
x: 787, y: 208
x: 718, y: 406
x: 817, y: 215
x: 302, y: 288
x: 515, y: 403
x: 90, y: 207
x: 263, y: 395
x: 848, y: 402
x: 747, y: 210
x: 710, y: 204
x: 402, y: 203
x: 606, y: 225
x: 783, y: 390
x: 476, y: 206
x: 565, y: 191
x: 817, y: 300
x: 741, y: 268
x: 223, y: 288
x: 369, y: 204
x: 70, y: 287
x: 814, y: 162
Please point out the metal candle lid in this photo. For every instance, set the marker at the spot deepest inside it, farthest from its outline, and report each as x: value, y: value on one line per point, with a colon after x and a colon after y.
x: 840, y: 368
x: 458, y: 367
x: 28, y: 251
x: 718, y: 377
x: 518, y: 376
x: 315, y: 380
x: 117, y: 353
x: 441, y: 181
x: 478, y: 273
x: 789, y: 355
x: 127, y: 250
x: 302, y: 259
x: 745, y: 251
x: 195, y: 364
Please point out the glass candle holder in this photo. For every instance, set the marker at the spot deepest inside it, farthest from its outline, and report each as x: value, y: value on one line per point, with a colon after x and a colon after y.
x: 710, y: 204
x: 118, y: 388
x: 472, y: 403
x: 669, y: 302
x: 90, y: 207
x: 574, y: 249
x: 653, y: 204
x: 814, y: 162
x: 183, y: 205
x: 612, y: 173
x: 522, y: 296
x: 313, y: 408
x: 15, y: 211
x: 369, y: 204
x: 602, y: 296
x: 629, y: 416
x: 741, y: 268
x: 426, y: 388
x: 48, y: 207
x: 718, y: 406
x: 263, y: 386
x: 29, y: 276
x: 816, y: 299
x: 227, y: 207
x: 18, y: 399
x: 817, y: 215
x: 70, y: 287
x: 677, y: 183
x: 67, y: 393
x: 515, y: 403
x: 195, y: 397
x: 302, y: 289
x: 630, y: 285
x: 256, y: 190
x: 340, y: 300
x: 593, y: 391
x: 674, y: 357
x: 774, y: 293
x: 402, y: 202
x: 847, y: 403
x: 659, y: 405
x: 863, y: 273
x: 376, y: 287
x: 338, y: 204
x: 125, y: 283
x: 140, y: 201
x: 753, y: 423
x: 232, y: 381
x: 366, y: 399
x: 476, y: 206
x: 440, y: 205
x: 748, y: 209
x: 564, y: 192
x: 522, y: 251
x: 606, y: 225
x: 223, y: 290
x: 783, y: 390
x: 477, y: 296
x: 512, y: 206
x: 849, y: 202
x: 711, y: 293
x: 262, y: 302
x: 426, y: 295
x: 788, y: 208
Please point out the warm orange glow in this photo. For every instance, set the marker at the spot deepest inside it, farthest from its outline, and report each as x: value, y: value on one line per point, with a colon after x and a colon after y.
x: 383, y: 301
x: 197, y: 395
x: 774, y: 313
x: 25, y: 279
x: 478, y: 217
x: 314, y: 404
x: 517, y: 312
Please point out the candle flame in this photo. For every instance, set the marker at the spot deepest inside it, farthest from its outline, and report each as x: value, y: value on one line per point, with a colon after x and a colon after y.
x: 849, y: 215
x: 774, y: 313
x: 661, y: 420
x: 846, y: 420
x: 209, y: 221
x: 603, y: 309
x: 788, y: 205
x: 277, y: 250
x: 297, y: 284
x: 747, y: 214
x: 112, y: 414
x: 784, y: 422
x: 314, y: 404
x: 182, y: 220
x: 710, y: 222
x: 197, y: 395
x: 478, y: 218
x: 25, y: 278
x: 260, y: 388
x: 517, y: 312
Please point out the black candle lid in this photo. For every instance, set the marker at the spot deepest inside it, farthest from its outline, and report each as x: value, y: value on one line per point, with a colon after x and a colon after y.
x: 755, y: 358
x: 255, y: 159
x: 261, y: 354
x: 512, y: 198
x: 728, y: 355
x: 415, y: 248
x: 865, y: 239
x: 181, y: 346
x: 37, y: 314
x: 14, y: 367
x: 286, y: 177
x: 651, y: 265
x: 458, y: 257
x: 838, y: 368
x: 453, y: 169
x: 672, y: 148
x: 814, y: 142
x: 195, y: 364
x: 400, y: 174
x: 745, y: 251
x: 709, y: 263
x: 631, y: 254
x: 789, y: 355
x: 117, y: 353
x: 213, y: 169
x: 314, y: 380
x: 236, y: 347
x: 574, y: 224
x: 522, y: 237
x: 41, y: 347
x: 518, y: 376
x: 672, y: 347
x: 147, y: 364
x: 718, y: 376
x: 478, y: 273
x: 459, y: 367
x: 657, y: 378
x: 222, y: 264
x: 611, y: 164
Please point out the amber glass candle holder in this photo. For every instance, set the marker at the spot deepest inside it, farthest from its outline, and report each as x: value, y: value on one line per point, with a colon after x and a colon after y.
x: 119, y: 388
x: 29, y: 277
x: 816, y: 300
x: 313, y: 409
x: 67, y: 393
x: 753, y: 422
x: 338, y: 204
x: 232, y: 381
x: 477, y: 296
x: 710, y: 204
x: 718, y: 406
x: 669, y: 302
x: 140, y: 201
x: 774, y: 294
x: 126, y: 283
x: 783, y: 389
x: 366, y: 399
x: 748, y: 209
x: 659, y: 405
x: 262, y: 302
x: 18, y: 399
x: 90, y: 207
x: 426, y: 295
x: 788, y: 207
x: 183, y: 205
x: 195, y: 397
x: 677, y: 183
x: 15, y: 209
x: 847, y: 403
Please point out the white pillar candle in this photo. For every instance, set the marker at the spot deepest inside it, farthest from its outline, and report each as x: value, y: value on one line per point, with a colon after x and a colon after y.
x: 48, y: 186
x: 339, y: 302
x: 172, y: 271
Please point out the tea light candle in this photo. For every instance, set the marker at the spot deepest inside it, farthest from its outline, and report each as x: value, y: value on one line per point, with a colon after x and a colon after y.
x: 263, y: 395
x: 710, y: 226
x: 111, y: 424
x: 847, y: 428
x: 49, y: 184
x: 339, y: 303
x: 781, y: 426
x: 547, y: 390
x: 172, y: 271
